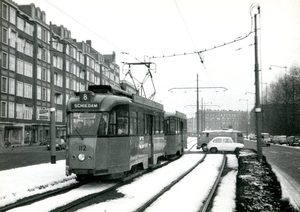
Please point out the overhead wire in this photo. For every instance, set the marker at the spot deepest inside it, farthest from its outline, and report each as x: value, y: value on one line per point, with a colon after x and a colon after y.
x: 214, y: 47
x: 121, y: 51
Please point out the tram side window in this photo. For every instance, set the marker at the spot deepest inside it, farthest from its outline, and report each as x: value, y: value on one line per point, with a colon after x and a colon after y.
x: 167, y: 126
x: 133, y: 122
x: 112, y: 123
x: 178, y: 126
x: 103, y: 124
x: 172, y: 125
x: 140, y: 123
x: 161, y: 125
x: 122, y: 122
x: 157, y: 125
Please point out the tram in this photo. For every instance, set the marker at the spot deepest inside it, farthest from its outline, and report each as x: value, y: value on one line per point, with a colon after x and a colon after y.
x: 175, y: 132
x: 112, y: 133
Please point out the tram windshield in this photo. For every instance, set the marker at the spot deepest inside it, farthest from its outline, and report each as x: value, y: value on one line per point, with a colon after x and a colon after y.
x: 85, y: 123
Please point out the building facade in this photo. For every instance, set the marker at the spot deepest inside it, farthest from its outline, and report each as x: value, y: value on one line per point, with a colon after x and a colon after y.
x: 38, y: 61
x: 218, y: 119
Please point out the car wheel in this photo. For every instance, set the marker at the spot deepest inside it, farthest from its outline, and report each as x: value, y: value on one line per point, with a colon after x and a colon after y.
x: 213, y: 150
x: 204, y: 148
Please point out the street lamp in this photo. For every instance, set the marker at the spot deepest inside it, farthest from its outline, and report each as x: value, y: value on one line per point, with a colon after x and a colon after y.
x: 52, y: 103
x: 247, y: 118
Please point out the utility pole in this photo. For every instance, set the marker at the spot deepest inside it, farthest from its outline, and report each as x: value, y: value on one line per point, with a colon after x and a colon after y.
x: 257, y: 93
x: 52, y: 104
x: 197, y: 110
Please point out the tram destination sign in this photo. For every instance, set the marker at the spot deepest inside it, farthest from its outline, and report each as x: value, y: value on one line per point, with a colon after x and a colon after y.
x: 85, y: 105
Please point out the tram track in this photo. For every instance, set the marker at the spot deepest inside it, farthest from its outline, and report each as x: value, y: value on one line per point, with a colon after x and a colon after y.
x: 208, y: 201
x: 40, y: 197
x: 167, y: 188
x: 69, y: 206
x: 90, y: 198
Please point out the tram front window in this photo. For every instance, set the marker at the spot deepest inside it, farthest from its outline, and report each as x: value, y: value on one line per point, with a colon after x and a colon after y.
x: 88, y: 123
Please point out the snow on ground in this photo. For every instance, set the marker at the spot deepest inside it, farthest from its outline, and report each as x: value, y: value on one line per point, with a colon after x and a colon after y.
x: 26, y: 181
x: 225, y: 199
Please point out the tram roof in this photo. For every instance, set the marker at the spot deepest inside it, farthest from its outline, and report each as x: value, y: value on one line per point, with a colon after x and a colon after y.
x: 105, y: 97
x: 176, y: 113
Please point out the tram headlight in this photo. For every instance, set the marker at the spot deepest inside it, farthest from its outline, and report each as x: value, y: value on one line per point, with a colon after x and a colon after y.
x: 81, y: 157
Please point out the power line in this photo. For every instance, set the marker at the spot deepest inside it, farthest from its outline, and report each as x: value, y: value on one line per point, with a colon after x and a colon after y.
x: 121, y: 51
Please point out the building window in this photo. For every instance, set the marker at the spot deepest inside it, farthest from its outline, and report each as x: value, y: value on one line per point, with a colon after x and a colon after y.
x: 59, y: 116
x: 44, y: 35
x: 19, y: 88
x: 39, y: 31
x: 44, y: 54
x: 38, y: 92
x: 20, y: 23
x: 28, y: 69
x: 20, y: 45
x: 39, y: 72
x: 59, y: 99
x: 44, y: 94
x: 11, y: 88
x: 13, y: 39
x: 48, y: 94
x: 4, y: 35
x: 12, y: 62
x: 20, y: 66
x: 44, y: 74
x: 19, y: 111
x: 3, y: 109
x: 29, y: 28
x: 48, y: 76
x: 28, y: 49
x: 4, y: 84
x: 11, y: 110
x: 27, y: 90
x: 4, y: 60
x: 39, y: 53
x: 4, y: 11
x: 28, y: 113
x: 58, y: 79
x: 12, y: 16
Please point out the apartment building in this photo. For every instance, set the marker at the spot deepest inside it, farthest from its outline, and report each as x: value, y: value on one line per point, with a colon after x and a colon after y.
x: 39, y: 61
x: 218, y: 119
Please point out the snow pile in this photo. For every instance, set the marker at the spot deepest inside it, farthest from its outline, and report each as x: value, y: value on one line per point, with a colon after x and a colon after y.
x: 258, y: 188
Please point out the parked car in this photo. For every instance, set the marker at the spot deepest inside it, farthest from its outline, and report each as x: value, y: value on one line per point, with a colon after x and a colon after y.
x: 252, y: 137
x: 59, y: 144
x: 224, y: 144
x: 266, y: 139
x: 293, y: 141
x: 279, y: 139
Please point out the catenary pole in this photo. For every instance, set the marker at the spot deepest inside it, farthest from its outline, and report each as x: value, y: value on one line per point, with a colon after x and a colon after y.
x: 52, y: 104
x: 257, y: 93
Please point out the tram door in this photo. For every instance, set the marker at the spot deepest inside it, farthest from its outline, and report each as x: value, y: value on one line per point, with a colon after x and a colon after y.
x: 149, y: 131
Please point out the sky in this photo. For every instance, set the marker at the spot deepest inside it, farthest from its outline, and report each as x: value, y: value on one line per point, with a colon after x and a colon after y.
x: 151, y: 30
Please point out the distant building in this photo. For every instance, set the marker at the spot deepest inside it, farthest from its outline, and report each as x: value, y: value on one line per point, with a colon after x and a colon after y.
x: 218, y: 119
x: 25, y: 73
